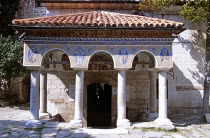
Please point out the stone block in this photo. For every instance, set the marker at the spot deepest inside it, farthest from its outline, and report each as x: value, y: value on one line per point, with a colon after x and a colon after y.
x: 54, y: 96
x: 64, y: 110
x: 61, y: 105
x: 61, y: 100
x: 51, y: 86
x: 51, y: 77
x: 61, y: 86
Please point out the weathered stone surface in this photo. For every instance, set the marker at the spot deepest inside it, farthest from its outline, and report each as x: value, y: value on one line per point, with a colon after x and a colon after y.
x: 15, y: 135
x: 133, y: 136
x: 62, y: 125
x: 6, y: 135
x: 4, y: 131
x: 34, y: 136
x: 79, y: 135
x: 64, y: 133
x: 119, y: 131
x: 144, y: 125
x: 154, y: 134
x: 33, y: 124
x: 51, y: 124
x: 107, y: 136
x: 136, y: 131
x: 27, y: 132
x: 49, y: 132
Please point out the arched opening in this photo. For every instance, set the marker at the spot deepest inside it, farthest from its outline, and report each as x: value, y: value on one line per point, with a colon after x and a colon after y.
x: 99, y: 97
x: 56, y: 60
x: 143, y: 60
x: 99, y: 93
x: 101, y: 61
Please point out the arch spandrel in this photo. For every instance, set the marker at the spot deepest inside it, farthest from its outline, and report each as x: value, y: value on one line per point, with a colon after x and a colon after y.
x: 34, y: 55
x: 79, y: 56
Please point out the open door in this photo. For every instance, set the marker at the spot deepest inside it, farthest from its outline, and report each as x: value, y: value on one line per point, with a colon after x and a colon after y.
x: 99, y: 97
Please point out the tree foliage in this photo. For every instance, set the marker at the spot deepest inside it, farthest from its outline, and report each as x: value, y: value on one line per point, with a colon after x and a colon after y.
x: 11, y: 53
x: 195, y: 11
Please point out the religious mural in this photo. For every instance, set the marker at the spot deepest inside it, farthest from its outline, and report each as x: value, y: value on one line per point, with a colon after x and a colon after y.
x: 32, y: 54
x: 123, y: 55
x: 101, y: 61
x: 164, y: 56
x: 79, y: 55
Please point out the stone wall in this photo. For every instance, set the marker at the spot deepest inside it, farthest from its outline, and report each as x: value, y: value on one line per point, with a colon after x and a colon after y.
x: 58, y: 95
x: 60, y: 101
x: 187, y: 79
x: 28, y: 9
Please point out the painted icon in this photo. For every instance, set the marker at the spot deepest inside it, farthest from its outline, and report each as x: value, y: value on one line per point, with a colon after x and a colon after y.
x: 164, y: 55
x: 79, y: 55
x: 32, y: 54
x: 123, y: 56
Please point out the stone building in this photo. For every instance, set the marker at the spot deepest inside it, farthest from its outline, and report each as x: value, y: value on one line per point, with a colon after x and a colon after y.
x: 103, y: 64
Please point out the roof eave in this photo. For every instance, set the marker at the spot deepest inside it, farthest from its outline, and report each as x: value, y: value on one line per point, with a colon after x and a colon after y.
x: 92, y: 28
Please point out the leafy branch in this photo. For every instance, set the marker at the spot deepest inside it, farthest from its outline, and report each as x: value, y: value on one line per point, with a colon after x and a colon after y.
x: 195, y: 11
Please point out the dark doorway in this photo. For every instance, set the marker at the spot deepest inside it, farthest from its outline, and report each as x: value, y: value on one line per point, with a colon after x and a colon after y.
x: 99, y: 97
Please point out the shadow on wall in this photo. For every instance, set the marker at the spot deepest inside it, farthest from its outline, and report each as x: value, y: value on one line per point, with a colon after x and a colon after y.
x: 188, y: 82
x: 60, y: 102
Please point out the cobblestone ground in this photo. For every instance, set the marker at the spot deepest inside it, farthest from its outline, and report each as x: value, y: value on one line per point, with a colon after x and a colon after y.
x: 12, y: 120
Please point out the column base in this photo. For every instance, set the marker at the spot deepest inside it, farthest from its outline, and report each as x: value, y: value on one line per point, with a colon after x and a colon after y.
x: 124, y: 123
x: 75, y: 124
x: 45, y: 116
x: 164, y: 123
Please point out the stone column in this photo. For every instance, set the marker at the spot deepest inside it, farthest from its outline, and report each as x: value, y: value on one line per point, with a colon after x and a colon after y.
x: 121, y: 101
x: 162, y: 121
x: 43, y: 96
x: 153, y: 97
x: 78, y: 112
x: 34, y: 95
x: 43, y: 92
x: 153, y: 92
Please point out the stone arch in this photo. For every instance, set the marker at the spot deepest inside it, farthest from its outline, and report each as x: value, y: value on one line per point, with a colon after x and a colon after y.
x: 51, y: 51
x: 100, y: 51
x: 150, y: 55
x: 100, y: 77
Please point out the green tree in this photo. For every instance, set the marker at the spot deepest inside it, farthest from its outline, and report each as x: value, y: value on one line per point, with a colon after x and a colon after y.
x: 195, y: 11
x: 11, y: 51
x: 11, y: 54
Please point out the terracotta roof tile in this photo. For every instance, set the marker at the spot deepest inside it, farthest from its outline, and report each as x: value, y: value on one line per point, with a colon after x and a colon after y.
x: 98, y: 19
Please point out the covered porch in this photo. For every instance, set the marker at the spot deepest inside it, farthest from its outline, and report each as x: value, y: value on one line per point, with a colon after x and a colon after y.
x: 106, y: 42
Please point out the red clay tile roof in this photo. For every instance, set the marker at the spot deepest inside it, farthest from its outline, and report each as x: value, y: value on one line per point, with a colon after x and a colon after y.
x: 98, y: 19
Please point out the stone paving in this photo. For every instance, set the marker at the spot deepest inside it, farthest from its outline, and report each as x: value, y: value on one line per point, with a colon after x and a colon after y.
x: 13, y: 119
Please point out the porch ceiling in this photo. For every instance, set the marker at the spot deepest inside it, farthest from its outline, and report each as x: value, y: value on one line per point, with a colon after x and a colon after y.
x: 98, y: 19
